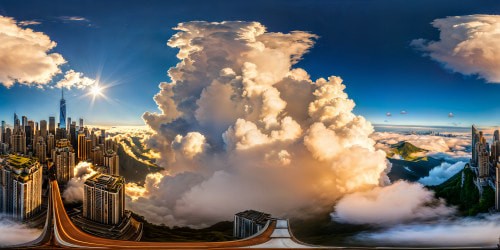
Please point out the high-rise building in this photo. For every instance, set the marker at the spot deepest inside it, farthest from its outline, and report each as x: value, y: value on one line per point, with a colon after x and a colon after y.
x: 97, y: 156
x: 52, y: 125
x: 248, y: 223
x: 104, y: 199
x: 475, y: 140
x: 81, y: 123
x: 20, y: 186
x: 112, y: 162
x: 24, y: 121
x: 18, y: 141
x: 41, y: 150
x: 483, y: 163
x: 62, y: 111
x: 63, y: 156
x: 51, y: 143
x: 43, y: 129
x: 2, y: 132
x: 82, y: 147
x: 16, y: 120
x: 73, y: 136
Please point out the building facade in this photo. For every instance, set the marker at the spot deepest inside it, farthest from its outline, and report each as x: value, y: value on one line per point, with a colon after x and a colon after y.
x: 104, y: 199
x: 20, y: 187
x: 63, y: 157
x: 248, y: 223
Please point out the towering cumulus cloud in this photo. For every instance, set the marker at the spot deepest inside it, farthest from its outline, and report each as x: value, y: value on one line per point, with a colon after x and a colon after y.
x: 468, y: 44
x: 241, y: 128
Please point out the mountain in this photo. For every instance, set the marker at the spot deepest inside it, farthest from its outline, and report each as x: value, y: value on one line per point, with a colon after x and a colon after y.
x: 412, y: 164
x: 407, y: 151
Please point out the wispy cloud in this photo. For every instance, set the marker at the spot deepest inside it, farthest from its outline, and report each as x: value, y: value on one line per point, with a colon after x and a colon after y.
x: 28, y: 22
x: 74, y: 18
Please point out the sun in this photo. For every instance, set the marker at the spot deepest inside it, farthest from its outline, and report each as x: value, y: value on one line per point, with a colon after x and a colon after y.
x: 96, y: 90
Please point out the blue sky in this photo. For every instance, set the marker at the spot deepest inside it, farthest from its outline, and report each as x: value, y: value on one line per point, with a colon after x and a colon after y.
x: 366, y: 42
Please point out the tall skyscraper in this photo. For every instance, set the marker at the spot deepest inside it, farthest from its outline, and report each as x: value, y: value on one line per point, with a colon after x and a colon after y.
x: 43, y: 129
x: 51, y: 143
x: 41, y: 150
x: 81, y: 123
x: 16, y: 120
x: 112, y: 162
x: 62, y: 111
x: 82, y: 147
x: 63, y: 156
x: 24, y: 121
x: 52, y: 125
x: 497, y: 185
x: 104, y: 199
x: 2, y: 132
x: 18, y: 141
x: 20, y: 186
x: 475, y: 140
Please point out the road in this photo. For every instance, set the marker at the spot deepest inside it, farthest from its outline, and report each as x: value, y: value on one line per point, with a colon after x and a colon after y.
x: 59, y: 231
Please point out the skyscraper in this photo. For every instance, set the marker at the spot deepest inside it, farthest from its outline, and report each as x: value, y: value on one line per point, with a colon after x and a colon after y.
x: 43, y: 129
x: 20, y: 186
x: 52, y: 125
x: 2, y: 133
x: 104, y: 199
x: 41, y: 150
x: 62, y: 111
x: 63, y: 156
x: 82, y: 147
x: 18, y: 141
x: 112, y: 162
x: 497, y: 185
x: 81, y: 123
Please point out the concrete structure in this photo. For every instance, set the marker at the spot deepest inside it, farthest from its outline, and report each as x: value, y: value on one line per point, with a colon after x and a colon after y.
x: 82, y: 147
x: 18, y: 141
x: 62, y: 111
x: 63, y: 157
x: 41, y: 150
x: 104, y: 199
x: 20, y: 186
x: 112, y: 162
x: 248, y: 223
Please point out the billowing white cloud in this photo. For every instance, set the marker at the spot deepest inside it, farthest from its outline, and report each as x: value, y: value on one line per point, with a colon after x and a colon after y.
x: 442, y: 173
x: 25, y: 55
x: 481, y: 231
x: 14, y: 233
x: 394, y: 204
x: 469, y: 45
x: 239, y: 127
x: 74, y: 188
x: 75, y: 79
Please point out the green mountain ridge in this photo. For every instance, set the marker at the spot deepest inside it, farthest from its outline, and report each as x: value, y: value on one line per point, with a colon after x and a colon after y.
x: 407, y: 151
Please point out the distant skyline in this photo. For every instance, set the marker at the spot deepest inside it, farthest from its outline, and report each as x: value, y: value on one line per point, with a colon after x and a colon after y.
x: 367, y: 43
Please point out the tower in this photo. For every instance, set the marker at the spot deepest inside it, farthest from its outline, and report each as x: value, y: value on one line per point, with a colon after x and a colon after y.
x: 52, y: 125
x: 104, y: 199
x: 64, y: 160
x: 62, y: 111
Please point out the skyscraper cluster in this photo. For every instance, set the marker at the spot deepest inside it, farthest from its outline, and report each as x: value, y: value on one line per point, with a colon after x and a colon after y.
x: 485, y: 161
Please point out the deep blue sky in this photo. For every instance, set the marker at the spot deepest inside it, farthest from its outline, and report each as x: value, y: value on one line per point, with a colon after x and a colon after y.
x: 366, y: 42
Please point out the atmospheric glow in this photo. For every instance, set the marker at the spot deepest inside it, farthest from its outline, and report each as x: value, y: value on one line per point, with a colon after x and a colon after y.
x: 96, y: 90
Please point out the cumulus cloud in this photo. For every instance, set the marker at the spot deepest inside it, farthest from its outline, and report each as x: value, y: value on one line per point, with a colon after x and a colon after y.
x: 481, y: 231
x: 14, y: 233
x: 451, y: 115
x: 25, y: 55
x: 240, y: 127
x: 403, y: 112
x: 74, y: 188
x: 442, y: 173
x: 75, y: 79
x: 399, y: 202
x: 469, y: 45
x: 388, y: 114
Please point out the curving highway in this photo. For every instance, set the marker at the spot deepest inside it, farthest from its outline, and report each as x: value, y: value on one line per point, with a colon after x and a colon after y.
x: 60, y: 232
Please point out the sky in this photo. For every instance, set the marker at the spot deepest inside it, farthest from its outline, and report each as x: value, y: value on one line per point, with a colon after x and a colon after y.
x: 366, y: 42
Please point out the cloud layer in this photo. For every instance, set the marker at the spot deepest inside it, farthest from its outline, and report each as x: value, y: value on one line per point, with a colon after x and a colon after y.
x: 239, y: 127
x: 394, y: 204
x: 469, y: 45
x: 481, y: 231
x: 14, y: 233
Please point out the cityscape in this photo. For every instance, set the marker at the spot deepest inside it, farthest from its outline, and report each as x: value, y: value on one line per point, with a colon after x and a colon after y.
x: 249, y: 124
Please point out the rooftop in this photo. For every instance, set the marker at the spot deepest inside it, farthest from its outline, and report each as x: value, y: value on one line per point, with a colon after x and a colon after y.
x: 18, y: 161
x: 110, y: 183
x: 256, y: 216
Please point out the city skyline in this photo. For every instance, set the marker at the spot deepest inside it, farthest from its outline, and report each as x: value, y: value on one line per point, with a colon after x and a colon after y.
x: 392, y: 68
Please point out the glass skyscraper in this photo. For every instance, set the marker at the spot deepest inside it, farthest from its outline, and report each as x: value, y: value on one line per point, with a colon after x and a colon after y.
x: 62, y: 111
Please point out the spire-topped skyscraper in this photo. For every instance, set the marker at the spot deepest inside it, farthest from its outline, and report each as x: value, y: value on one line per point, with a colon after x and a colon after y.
x: 62, y: 111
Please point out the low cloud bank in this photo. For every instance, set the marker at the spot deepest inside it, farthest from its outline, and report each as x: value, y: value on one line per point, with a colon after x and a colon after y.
x: 442, y: 173
x: 13, y: 233
x: 390, y: 205
x: 479, y: 231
